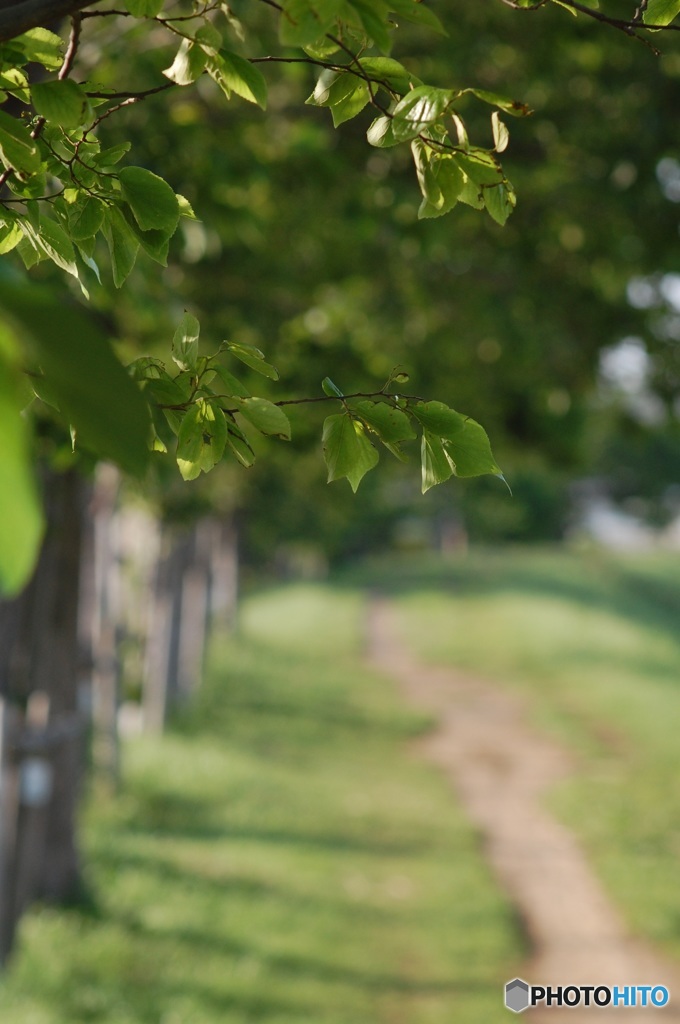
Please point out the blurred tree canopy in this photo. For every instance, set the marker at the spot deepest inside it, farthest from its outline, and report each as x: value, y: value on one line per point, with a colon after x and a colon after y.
x: 322, y: 251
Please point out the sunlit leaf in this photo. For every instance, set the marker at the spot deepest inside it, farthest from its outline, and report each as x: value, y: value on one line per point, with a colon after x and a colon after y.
x: 152, y: 201
x: 438, y: 418
x: 189, y: 63
x: 470, y: 451
x: 436, y: 466
x: 418, y: 13
x: 17, y: 148
x: 243, y: 78
x: 61, y: 101
x: 185, y: 342
x: 500, y: 201
x: 661, y: 12
x: 419, y: 109
x: 266, y: 417
x: 253, y: 358
x: 347, y: 450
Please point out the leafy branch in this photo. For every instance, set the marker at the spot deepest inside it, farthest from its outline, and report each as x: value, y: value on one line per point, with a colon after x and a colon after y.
x: 63, y: 192
x: 207, y: 413
x: 649, y: 16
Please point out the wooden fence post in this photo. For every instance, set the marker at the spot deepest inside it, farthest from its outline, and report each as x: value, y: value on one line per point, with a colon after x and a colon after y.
x: 8, y: 827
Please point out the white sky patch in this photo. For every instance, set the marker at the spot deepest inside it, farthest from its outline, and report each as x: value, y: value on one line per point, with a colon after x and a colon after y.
x: 642, y: 293
x: 626, y: 365
x: 668, y: 174
x: 625, y: 370
x: 670, y: 290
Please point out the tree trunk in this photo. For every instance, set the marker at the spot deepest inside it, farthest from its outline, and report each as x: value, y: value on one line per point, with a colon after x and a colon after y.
x: 43, y: 726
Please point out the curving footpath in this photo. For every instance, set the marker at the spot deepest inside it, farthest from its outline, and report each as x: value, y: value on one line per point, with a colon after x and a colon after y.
x: 501, y: 768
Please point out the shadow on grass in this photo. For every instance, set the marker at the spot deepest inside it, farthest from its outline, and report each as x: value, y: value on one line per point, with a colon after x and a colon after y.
x: 600, y: 582
x: 171, y: 816
x: 295, y: 966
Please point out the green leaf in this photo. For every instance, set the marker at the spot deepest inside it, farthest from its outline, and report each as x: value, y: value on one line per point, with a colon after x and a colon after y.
x: 151, y: 200
x: 54, y: 241
x: 85, y: 217
x: 321, y: 49
x: 243, y: 78
x: 189, y: 64
x: 389, y: 73
x: 15, y: 82
x: 380, y: 133
x: 43, y: 47
x: 122, y: 242
x: 253, y: 358
x: 209, y: 37
x: 185, y: 207
x: 93, y: 390
x: 480, y: 166
x: 110, y: 157
x: 201, y: 439
x: 436, y: 465
x: 508, y: 106
x: 185, y: 342
x: 240, y: 446
x: 501, y: 135
x: 303, y: 22
x: 344, y: 93
x: 144, y: 8
x: 440, y: 180
x: 470, y: 451
x: 155, y: 244
x: 500, y: 201
x: 30, y: 254
x: 331, y: 389
x: 146, y: 367
x: 418, y: 13
x: 390, y: 424
x: 61, y: 101
x: 438, y: 418
x: 373, y: 17
x: 20, y: 512
x: 266, y: 417
x: 190, y: 444
x: 347, y: 450
x: 450, y: 181
x: 165, y: 390
x: 233, y: 388
x: 418, y: 110
x: 43, y: 391
x: 351, y: 104
x: 471, y: 194
x: 661, y: 12
x: 10, y: 236
x: 17, y: 148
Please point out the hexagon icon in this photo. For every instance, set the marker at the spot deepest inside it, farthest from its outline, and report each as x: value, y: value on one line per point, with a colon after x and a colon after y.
x: 517, y: 995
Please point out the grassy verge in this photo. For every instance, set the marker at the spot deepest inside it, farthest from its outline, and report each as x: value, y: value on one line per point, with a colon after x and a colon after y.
x: 279, y: 856
x: 593, y: 641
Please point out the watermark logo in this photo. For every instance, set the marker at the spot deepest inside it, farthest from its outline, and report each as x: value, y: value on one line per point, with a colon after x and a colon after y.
x: 520, y: 995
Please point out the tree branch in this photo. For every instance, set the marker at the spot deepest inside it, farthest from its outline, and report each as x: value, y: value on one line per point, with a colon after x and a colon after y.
x: 631, y: 26
x: 21, y: 15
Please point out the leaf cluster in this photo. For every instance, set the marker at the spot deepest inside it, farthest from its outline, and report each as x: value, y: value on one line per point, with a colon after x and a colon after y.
x: 65, y: 190
x: 209, y: 413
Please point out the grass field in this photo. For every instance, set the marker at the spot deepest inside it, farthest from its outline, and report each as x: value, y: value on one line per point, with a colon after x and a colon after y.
x: 593, y: 642
x: 279, y: 856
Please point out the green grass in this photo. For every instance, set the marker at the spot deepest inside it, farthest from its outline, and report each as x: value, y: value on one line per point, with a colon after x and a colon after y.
x: 593, y: 641
x: 281, y: 855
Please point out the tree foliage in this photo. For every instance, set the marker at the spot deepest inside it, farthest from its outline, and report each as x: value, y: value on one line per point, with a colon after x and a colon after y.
x: 74, y: 196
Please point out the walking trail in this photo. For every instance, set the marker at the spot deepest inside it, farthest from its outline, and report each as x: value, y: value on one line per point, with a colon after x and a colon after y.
x: 501, y: 768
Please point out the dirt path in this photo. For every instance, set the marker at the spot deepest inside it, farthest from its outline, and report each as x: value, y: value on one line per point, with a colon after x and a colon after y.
x: 501, y: 768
